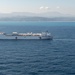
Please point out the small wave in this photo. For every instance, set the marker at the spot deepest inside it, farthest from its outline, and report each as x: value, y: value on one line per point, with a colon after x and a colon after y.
x: 65, y: 39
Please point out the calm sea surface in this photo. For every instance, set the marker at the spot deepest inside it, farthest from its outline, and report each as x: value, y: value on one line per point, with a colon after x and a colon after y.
x: 38, y: 57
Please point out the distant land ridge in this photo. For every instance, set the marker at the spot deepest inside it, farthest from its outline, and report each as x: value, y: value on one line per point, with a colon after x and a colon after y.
x: 28, y: 16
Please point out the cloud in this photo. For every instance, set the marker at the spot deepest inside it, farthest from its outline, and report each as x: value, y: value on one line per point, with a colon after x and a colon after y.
x: 57, y: 7
x: 41, y: 7
x: 46, y: 8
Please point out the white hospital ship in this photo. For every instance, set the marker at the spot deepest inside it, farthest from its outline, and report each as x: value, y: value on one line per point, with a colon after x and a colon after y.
x: 16, y: 35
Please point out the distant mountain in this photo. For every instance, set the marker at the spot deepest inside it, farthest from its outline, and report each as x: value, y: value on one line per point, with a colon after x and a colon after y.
x: 28, y: 16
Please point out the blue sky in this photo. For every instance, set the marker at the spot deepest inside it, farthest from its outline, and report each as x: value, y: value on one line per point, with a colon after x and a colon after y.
x: 38, y: 6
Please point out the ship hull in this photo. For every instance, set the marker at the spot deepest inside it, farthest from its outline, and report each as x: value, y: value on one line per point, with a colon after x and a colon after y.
x: 23, y: 37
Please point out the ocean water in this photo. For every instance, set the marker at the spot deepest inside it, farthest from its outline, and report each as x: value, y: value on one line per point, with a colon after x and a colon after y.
x: 38, y: 57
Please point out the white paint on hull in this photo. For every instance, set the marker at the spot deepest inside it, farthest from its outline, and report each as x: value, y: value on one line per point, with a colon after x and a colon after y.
x: 15, y: 35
